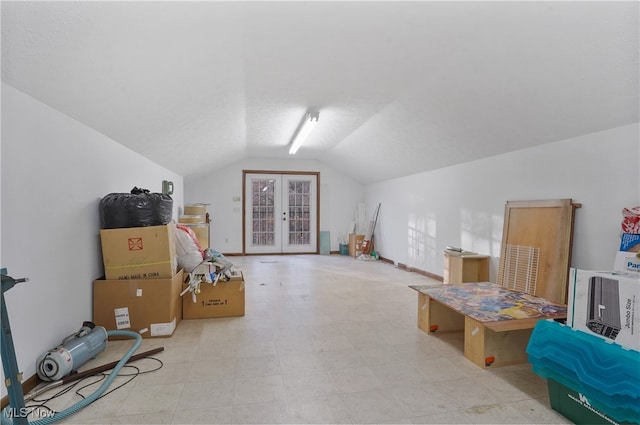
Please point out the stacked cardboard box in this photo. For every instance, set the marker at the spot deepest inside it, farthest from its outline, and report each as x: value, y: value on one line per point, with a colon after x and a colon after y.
x: 151, y: 307
x: 196, y: 217
x: 355, y: 244
x: 139, y: 252
x: 141, y: 288
x: 224, y: 298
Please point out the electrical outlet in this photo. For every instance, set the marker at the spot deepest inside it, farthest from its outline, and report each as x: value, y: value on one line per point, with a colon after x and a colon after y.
x: 236, y: 199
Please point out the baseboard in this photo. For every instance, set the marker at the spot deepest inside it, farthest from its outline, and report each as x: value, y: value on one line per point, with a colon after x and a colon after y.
x: 383, y: 259
x: 414, y: 270
x: 27, y: 386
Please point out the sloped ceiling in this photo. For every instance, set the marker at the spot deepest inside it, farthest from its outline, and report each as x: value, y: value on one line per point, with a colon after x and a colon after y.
x: 401, y: 87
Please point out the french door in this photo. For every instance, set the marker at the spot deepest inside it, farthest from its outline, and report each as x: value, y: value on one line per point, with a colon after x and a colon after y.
x: 281, y: 213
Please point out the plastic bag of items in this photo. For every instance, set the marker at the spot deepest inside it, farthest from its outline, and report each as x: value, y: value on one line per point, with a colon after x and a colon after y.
x: 136, y: 209
x: 188, y: 249
x: 631, y: 220
x: 211, y: 270
x: 214, y: 268
x: 223, y: 265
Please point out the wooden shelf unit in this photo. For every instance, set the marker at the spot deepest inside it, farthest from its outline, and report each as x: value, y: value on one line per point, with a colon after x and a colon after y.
x: 462, y: 268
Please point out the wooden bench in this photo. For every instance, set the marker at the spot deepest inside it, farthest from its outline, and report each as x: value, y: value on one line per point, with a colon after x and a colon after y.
x: 497, y: 322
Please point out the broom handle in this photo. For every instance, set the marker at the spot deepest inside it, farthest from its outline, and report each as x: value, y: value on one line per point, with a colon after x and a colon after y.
x: 89, y: 372
x: 375, y: 220
x: 108, y: 366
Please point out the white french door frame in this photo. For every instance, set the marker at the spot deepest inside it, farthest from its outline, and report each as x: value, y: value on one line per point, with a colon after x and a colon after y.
x: 281, y: 243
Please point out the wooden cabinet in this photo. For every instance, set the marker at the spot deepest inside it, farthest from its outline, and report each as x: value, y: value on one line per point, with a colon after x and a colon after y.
x: 461, y: 268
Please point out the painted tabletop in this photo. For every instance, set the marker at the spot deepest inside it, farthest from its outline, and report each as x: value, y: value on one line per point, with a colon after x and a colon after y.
x: 489, y: 302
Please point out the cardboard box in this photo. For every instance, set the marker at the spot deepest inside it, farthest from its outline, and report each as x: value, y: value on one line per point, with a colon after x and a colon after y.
x: 606, y: 304
x: 139, y: 252
x: 355, y: 244
x: 627, y: 262
x: 628, y: 256
x: 191, y: 219
x: 224, y: 299
x: 201, y: 231
x: 150, y: 307
x: 195, y: 209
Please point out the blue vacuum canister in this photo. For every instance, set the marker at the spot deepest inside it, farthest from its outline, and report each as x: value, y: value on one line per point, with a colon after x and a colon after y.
x: 73, y: 352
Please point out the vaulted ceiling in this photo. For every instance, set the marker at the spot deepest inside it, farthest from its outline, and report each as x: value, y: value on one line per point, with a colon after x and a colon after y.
x: 401, y: 87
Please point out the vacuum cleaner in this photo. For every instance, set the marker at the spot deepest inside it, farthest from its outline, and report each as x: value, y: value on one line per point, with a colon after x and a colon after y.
x: 74, y: 351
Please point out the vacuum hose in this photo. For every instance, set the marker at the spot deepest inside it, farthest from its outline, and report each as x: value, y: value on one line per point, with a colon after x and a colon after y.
x: 93, y: 397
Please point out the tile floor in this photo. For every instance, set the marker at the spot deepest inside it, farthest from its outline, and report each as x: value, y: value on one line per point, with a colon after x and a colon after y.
x: 325, y: 340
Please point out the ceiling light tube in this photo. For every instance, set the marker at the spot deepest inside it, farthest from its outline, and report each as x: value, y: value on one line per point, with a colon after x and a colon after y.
x: 310, y: 121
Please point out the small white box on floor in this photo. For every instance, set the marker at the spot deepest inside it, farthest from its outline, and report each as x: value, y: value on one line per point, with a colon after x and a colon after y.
x: 628, y: 257
x: 606, y: 304
x: 627, y: 262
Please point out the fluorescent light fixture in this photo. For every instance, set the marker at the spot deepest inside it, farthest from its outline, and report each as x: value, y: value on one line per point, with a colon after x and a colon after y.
x: 310, y: 121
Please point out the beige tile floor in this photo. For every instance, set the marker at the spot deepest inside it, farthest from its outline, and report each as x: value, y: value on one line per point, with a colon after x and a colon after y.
x: 325, y: 340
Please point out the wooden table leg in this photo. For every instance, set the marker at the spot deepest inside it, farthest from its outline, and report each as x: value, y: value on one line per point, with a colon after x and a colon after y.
x: 485, y: 347
x: 434, y: 316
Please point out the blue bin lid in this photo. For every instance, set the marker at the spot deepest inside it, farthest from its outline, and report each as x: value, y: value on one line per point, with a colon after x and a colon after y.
x: 600, y: 370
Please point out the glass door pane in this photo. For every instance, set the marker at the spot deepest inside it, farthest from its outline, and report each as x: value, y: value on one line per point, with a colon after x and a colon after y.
x: 263, y: 210
x: 300, y: 234
x: 299, y: 229
x: 263, y: 207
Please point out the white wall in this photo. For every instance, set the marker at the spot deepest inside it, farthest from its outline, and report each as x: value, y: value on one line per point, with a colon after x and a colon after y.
x: 54, y: 172
x: 463, y: 205
x: 339, y: 197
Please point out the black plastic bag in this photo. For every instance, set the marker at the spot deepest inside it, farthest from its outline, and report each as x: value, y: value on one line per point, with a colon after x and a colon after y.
x: 136, y: 209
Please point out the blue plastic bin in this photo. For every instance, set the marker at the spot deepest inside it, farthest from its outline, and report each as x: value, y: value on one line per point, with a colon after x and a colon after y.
x: 604, y: 377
